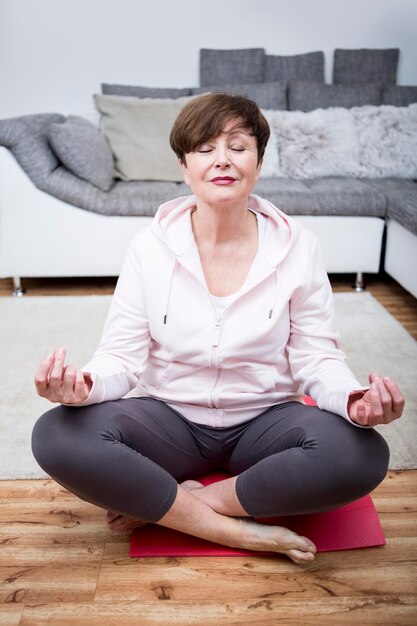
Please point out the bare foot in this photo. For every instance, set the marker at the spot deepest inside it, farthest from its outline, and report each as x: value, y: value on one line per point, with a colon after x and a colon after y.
x: 265, y: 537
x: 121, y: 523
x: 268, y: 538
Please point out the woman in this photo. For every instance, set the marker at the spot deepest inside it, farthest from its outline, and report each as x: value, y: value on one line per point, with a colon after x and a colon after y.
x: 223, y: 315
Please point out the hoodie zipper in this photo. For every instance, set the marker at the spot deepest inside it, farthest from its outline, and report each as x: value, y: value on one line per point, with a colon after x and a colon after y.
x: 215, y: 347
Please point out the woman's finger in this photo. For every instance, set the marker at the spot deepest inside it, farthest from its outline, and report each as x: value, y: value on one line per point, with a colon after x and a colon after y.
x: 385, y: 399
x: 80, y: 387
x: 362, y: 415
x: 68, y: 379
x: 41, y: 375
x: 397, y: 398
x: 377, y: 412
x: 55, y: 375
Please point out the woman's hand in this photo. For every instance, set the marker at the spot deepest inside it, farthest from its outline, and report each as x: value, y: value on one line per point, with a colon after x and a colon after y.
x: 61, y: 383
x: 381, y: 404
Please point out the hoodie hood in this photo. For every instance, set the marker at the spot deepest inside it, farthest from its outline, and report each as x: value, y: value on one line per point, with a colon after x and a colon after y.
x: 172, y: 226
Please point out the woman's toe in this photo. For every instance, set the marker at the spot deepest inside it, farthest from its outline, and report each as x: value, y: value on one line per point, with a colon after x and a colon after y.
x: 300, y: 557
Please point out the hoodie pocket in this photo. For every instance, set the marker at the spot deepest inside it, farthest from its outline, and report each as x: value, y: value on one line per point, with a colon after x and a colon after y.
x: 158, y: 375
x: 254, y: 379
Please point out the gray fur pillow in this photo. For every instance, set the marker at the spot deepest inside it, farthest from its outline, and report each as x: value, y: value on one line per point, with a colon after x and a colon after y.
x: 81, y: 147
x: 387, y: 141
x: 318, y: 143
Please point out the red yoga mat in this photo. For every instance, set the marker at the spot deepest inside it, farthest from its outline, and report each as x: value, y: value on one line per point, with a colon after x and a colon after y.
x: 355, y: 525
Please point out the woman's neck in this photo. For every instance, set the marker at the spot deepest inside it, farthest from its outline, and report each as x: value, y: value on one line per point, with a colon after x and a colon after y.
x: 215, y: 225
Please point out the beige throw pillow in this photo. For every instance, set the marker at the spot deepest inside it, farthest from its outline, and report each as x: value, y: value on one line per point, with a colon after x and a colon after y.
x: 137, y: 130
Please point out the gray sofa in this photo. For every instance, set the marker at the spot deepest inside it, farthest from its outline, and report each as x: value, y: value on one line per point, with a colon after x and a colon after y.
x: 348, y: 212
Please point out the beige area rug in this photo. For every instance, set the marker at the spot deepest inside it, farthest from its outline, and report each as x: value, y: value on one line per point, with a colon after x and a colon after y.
x: 30, y: 327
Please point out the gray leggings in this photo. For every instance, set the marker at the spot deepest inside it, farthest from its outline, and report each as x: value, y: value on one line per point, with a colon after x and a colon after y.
x: 127, y: 456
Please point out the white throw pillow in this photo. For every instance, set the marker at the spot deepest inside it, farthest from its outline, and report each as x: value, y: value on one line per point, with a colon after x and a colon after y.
x: 317, y: 143
x: 137, y: 130
x: 387, y: 138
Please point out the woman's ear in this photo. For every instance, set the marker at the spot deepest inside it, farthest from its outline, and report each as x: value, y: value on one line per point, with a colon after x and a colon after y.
x: 185, y: 171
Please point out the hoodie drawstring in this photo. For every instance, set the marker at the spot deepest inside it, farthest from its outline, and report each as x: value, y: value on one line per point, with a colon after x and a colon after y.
x: 271, y: 311
x: 171, y: 280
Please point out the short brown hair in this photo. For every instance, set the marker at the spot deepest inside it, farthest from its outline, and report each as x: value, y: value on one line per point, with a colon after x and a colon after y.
x: 205, y: 117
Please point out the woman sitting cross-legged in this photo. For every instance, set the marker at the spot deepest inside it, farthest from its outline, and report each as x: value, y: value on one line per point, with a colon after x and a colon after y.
x: 221, y: 320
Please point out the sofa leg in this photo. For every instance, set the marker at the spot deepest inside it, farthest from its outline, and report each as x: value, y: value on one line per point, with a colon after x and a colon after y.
x: 359, y: 283
x: 18, y: 290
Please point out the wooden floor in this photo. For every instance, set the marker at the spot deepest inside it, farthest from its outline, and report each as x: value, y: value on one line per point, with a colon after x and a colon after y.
x: 61, y: 566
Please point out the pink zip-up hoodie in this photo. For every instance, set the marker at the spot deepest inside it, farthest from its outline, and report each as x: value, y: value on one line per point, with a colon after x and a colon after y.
x: 276, y: 342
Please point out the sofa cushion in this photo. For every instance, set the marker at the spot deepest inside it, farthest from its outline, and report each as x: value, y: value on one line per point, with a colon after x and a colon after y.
x: 307, y: 95
x: 83, y: 149
x: 365, y: 65
x: 308, y: 66
x: 402, y: 209
x: 26, y: 137
x: 225, y: 67
x: 347, y: 196
x: 137, y: 130
x: 323, y: 196
x: 290, y: 195
x: 142, y: 198
x: 144, y: 92
x: 387, y: 141
x: 399, y: 95
x: 309, y: 143
x: 266, y: 95
x: 401, y: 196
x: 124, y: 198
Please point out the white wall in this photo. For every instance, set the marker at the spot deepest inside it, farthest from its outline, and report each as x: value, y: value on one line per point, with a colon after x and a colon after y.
x: 55, y: 53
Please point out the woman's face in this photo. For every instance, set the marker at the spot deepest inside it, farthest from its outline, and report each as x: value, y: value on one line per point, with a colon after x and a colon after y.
x: 224, y: 168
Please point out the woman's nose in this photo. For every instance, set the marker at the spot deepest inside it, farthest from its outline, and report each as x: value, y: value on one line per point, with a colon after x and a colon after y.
x: 222, y: 158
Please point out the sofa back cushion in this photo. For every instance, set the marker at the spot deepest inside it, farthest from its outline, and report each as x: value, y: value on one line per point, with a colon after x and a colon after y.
x: 83, y: 149
x: 309, y: 66
x: 307, y: 96
x: 225, y: 67
x: 365, y: 65
x: 266, y: 95
x: 144, y: 92
x: 137, y: 130
x: 399, y: 95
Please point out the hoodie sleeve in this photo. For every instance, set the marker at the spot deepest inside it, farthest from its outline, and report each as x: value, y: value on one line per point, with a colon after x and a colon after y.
x: 121, y: 356
x: 316, y: 360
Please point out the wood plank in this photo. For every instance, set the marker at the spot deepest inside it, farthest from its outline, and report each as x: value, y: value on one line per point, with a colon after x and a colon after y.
x: 361, y: 610
x: 33, y: 490
x: 347, y: 573
x: 48, y: 573
x: 54, y: 522
x: 10, y: 614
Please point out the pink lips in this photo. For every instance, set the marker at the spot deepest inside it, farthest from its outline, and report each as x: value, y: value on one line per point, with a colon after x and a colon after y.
x: 223, y: 180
